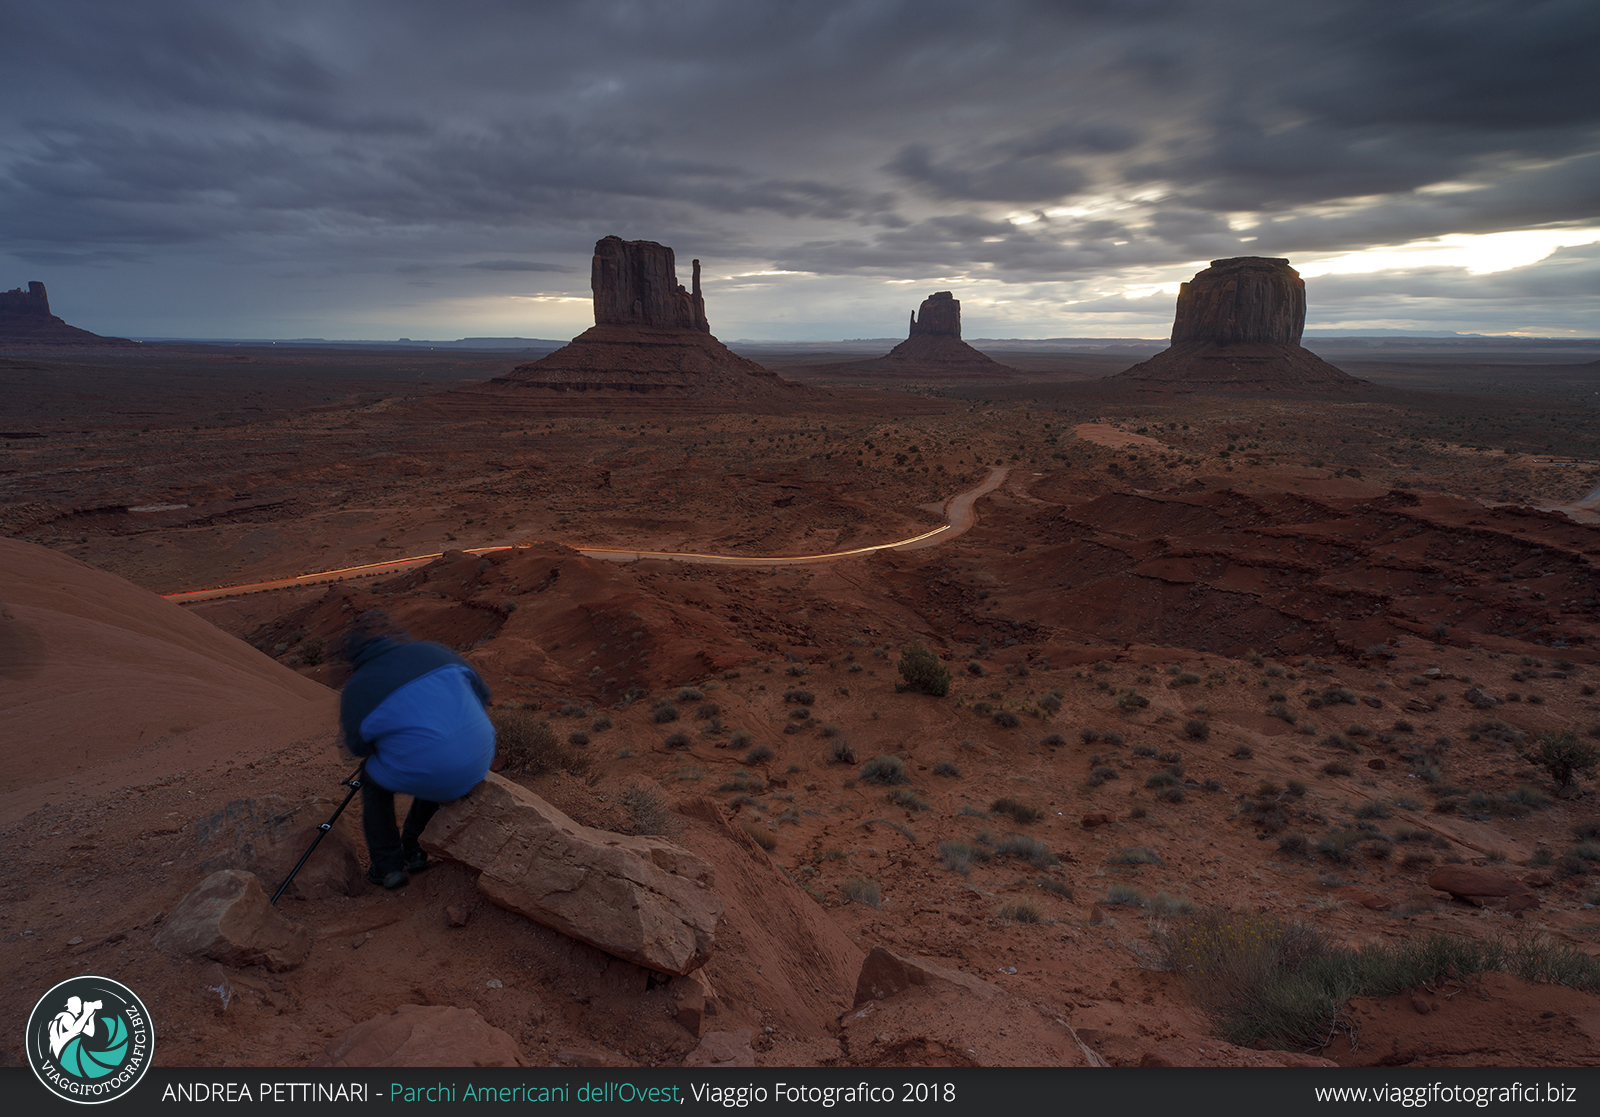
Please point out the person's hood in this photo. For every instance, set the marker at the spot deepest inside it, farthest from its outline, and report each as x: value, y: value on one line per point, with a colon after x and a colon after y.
x: 364, y: 649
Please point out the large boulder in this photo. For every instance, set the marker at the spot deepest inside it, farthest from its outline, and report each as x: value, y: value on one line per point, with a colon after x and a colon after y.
x: 1483, y: 887
x: 423, y: 1036
x: 267, y: 836
x: 642, y: 899
x: 227, y: 918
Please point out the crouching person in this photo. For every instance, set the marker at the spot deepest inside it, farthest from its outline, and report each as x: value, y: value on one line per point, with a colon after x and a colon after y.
x: 415, y: 711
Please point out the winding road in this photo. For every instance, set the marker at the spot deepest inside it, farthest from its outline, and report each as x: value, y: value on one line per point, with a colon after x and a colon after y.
x: 960, y: 514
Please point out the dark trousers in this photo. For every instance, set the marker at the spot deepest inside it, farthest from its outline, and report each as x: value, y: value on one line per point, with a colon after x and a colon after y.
x: 389, y: 846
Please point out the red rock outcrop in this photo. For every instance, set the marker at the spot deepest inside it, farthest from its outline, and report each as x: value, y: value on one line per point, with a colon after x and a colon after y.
x: 227, y: 918
x: 650, y: 336
x: 423, y: 1036
x: 25, y: 319
x: 1238, y: 326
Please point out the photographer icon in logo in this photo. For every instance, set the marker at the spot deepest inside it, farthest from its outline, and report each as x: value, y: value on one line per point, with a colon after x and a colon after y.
x: 90, y: 1039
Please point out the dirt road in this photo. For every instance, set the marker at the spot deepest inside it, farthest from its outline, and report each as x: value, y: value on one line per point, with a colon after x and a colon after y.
x: 960, y: 514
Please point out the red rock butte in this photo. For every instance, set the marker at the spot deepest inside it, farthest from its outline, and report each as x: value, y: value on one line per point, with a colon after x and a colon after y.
x: 934, y: 349
x: 1238, y: 327
x: 25, y: 319
x: 650, y: 336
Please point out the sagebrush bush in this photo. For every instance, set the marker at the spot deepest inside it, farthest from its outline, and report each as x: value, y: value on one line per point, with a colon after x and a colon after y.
x: 528, y: 746
x: 1197, y: 730
x: 665, y: 712
x: 957, y: 856
x: 760, y: 754
x: 1024, y: 848
x: 887, y: 769
x: 1018, y: 811
x: 945, y: 768
x: 922, y: 673
x: 1021, y: 912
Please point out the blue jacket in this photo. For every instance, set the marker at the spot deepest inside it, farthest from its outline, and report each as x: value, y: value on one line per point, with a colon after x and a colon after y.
x: 416, y: 712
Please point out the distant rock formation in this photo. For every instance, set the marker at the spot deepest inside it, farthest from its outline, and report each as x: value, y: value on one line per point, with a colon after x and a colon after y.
x: 1238, y: 327
x: 933, y: 351
x: 650, y: 336
x: 25, y: 319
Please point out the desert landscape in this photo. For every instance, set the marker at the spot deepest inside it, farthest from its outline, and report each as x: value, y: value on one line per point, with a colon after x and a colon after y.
x: 1237, y: 660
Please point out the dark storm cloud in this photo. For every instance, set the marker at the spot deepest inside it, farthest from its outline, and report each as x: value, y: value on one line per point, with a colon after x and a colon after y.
x: 875, y: 137
x: 516, y: 265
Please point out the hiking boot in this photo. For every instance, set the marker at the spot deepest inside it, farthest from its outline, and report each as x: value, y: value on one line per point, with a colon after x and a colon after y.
x: 417, y: 862
x: 394, y: 878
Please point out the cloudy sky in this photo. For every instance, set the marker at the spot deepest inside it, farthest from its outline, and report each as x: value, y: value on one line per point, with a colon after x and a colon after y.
x: 430, y: 170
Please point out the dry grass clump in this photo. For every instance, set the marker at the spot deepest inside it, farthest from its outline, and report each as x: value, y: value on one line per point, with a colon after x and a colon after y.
x: 886, y: 770
x: 528, y: 746
x: 763, y: 837
x: 957, y: 856
x: 1021, y: 912
x: 647, y: 811
x: 860, y: 890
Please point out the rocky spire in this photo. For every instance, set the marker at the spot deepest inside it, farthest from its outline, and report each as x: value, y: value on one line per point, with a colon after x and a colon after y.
x: 25, y: 319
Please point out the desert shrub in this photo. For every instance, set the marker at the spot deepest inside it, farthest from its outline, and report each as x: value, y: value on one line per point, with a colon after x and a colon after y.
x: 741, y: 738
x: 678, y: 741
x: 1242, y: 752
x: 578, y: 737
x: 739, y: 801
x: 975, y: 668
x: 1164, y: 905
x: 1339, y: 741
x: 1374, y: 808
x: 859, y: 890
x: 1113, y: 739
x: 905, y: 797
x: 1172, y: 794
x: 1021, y: 912
x: 1295, y: 845
x: 647, y: 811
x: 763, y: 837
x: 1137, y: 855
x: 1132, y: 700
x: 1051, y: 702
x: 1587, y: 831
x: 1024, y: 848
x: 1564, y: 757
x: 922, y: 673
x: 529, y: 747
x: 1144, y: 750
x: 1297, y: 788
x: 841, y: 752
x: 760, y: 754
x: 957, y: 856
x: 1056, y: 887
x: 945, y: 768
x: 665, y: 712
x: 886, y: 770
x: 796, y: 670
x: 799, y: 697
x: 1124, y: 894
x: 1100, y: 773
x: 1019, y: 812
x: 707, y: 710
x: 1005, y: 719
x: 1336, y: 768
x: 689, y: 694
x: 1416, y: 861
x: 600, y: 723
x: 1197, y: 730
x: 1529, y: 797
x: 1280, y: 984
x: 1053, y: 741
x: 312, y: 651
x: 1281, y: 710
x: 1160, y: 779
x: 1184, y: 678
x: 1356, y: 729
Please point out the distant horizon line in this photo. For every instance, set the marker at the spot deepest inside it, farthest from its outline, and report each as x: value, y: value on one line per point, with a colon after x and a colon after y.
x: 492, y: 341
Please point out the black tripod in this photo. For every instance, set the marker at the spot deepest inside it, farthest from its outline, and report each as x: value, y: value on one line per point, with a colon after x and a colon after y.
x: 354, y: 784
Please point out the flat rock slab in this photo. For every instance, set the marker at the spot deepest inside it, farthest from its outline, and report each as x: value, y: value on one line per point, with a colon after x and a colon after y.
x: 227, y: 918
x: 1483, y: 887
x: 642, y: 899
x: 885, y: 973
x: 423, y: 1036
